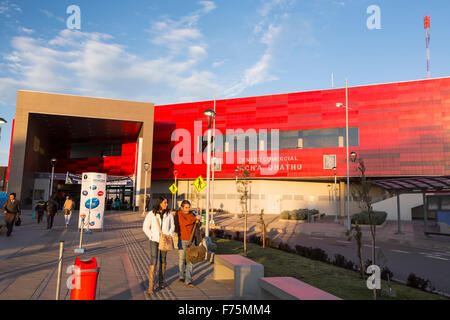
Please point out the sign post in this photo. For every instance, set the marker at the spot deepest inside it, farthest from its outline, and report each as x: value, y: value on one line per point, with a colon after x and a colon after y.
x: 92, y: 203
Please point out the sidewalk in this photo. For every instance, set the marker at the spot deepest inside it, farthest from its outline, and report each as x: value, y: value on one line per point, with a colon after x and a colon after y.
x: 29, y: 257
x: 413, y: 232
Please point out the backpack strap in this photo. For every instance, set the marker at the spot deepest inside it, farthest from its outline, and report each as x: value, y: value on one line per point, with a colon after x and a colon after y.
x: 192, y: 233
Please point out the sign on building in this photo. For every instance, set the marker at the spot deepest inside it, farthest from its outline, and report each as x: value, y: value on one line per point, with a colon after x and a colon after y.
x: 216, y: 164
x: 92, y: 200
x: 329, y: 161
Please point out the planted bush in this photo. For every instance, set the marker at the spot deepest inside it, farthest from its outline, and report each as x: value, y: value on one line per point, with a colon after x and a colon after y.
x: 285, y: 247
x: 418, y: 282
x: 299, y: 214
x: 385, y: 272
x: 363, y: 217
x: 285, y: 215
x: 310, y: 253
x: 341, y: 261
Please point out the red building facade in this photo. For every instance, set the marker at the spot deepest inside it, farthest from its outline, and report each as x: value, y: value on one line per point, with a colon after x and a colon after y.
x: 399, y: 129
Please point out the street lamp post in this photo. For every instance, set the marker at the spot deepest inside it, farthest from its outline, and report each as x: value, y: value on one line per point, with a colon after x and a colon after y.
x: 236, y: 172
x: 53, y: 163
x: 341, y: 105
x: 2, y: 122
x: 146, y: 168
x: 335, y: 195
x: 174, y: 196
x: 210, y: 114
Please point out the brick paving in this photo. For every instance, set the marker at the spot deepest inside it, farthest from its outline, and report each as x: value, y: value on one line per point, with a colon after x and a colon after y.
x: 29, y: 257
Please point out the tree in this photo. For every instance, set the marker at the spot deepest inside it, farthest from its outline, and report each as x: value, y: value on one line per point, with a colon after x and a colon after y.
x: 243, y: 190
x: 263, y: 228
x: 355, y: 233
x: 365, y: 203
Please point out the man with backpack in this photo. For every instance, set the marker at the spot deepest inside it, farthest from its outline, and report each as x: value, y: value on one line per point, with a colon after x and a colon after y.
x: 40, y: 209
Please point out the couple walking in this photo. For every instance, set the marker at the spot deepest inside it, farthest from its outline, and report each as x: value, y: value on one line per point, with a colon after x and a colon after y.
x: 161, y: 221
x: 51, y: 207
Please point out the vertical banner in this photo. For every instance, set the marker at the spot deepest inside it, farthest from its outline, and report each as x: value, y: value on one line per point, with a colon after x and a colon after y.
x: 93, y: 194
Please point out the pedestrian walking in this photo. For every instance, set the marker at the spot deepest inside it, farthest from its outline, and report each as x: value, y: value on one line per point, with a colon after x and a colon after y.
x: 157, y: 221
x: 52, y: 210
x: 40, y: 209
x: 185, y: 222
x: 68, y: 206
x: 11, y: 209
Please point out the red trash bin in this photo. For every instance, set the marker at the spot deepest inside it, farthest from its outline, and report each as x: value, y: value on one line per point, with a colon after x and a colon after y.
x: 85, y: 273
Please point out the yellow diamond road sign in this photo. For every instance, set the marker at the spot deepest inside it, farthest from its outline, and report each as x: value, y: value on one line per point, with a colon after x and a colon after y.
x: 173, y: 188
x: 200, y: 184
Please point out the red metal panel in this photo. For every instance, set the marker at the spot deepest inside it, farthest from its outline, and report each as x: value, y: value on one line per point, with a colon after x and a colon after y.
x: 404, y: 128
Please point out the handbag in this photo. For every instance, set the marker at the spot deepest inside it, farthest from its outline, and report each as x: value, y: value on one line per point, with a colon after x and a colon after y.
x: 165, y: 241
x: 18, y: 222
x: 195, y: 254
x: 176, y: 240
x: 34, y: 215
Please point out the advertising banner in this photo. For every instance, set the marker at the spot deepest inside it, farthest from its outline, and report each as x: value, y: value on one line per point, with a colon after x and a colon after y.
x: 92, y: 203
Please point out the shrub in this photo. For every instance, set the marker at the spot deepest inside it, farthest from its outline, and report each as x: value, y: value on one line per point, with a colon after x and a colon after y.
x: 363, y: 217
x: 310, y: 253
x: 417, y: 282
x: 285, y: 247
x: 217, y: 233
x: 292, y: 215
x: 385, y: 272
x: 299, y: 214
x: 255, y: 239
x: 320, y: 255
x: 237, y: 236
x: 341, y: 261
x: 285, y: 215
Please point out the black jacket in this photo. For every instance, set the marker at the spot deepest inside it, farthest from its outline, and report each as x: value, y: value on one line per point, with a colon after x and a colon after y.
x: 10, y: 207
x: 52, y: 208
x: 40, y: 206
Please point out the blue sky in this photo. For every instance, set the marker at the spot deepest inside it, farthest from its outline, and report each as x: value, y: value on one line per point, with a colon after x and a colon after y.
x: 179, y: 51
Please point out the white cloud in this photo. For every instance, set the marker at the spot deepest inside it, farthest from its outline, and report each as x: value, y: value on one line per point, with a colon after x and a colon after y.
x: 257, y: 74
x: 220, y: 63
x: 7, y: 8
x: 268, y: 29
x: 26, y: 30
x: 51, y: 15
x: 91, y: 64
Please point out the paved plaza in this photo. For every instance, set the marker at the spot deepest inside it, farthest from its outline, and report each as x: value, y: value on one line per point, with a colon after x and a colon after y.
x: 28, y: 260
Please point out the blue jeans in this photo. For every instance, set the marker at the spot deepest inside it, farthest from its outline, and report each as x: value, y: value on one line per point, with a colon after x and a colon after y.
x: 154, y: 251
x: 185, y: 267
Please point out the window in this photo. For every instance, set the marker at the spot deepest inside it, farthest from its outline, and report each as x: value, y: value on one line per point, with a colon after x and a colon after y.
x: 294, y: 139
x: 96, y: 150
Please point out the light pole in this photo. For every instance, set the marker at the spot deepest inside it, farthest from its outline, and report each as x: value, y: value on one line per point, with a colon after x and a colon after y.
x: 53, y: 163
x: 174, y: 196
x: 335, y: 195
x: 2, y: 122
x: 210, y: 114
x: 341, y: 105
x: 236, y: 172
x: 144, y: 207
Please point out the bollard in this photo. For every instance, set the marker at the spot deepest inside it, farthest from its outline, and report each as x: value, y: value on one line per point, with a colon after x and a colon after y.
x: 58, y: 282
x: 80, y: 249
x: 87, y: 271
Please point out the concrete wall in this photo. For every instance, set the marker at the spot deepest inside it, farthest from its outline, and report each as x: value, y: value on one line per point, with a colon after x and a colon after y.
x: 407, y: 202
x: 291, y: 195
x: 66, y: 105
